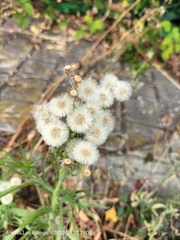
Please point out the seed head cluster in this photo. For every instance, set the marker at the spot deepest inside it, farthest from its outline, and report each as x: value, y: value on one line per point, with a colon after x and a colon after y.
x: 80, y: 120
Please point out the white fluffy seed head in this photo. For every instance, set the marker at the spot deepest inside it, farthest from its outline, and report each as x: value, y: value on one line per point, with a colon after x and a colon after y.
x: 122, y: 91
x: 43, y: 121
x: 87, y: 90
x: 85, y: 152
x: 39, y: 110
x: 61, y: 105
x: 80, y: 120
x: 15, y: 181
x: 55, y: 134
x: 106, y: 120
x: 4, y: 186
x: 96, y: 134
x: 104, y: 97
x: 93, y: 109
x: 70, y: 146
x: 108, y: 81
x: 7, y: 199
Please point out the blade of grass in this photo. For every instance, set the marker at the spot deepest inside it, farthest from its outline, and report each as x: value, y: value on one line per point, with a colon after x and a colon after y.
x: 28, y: 220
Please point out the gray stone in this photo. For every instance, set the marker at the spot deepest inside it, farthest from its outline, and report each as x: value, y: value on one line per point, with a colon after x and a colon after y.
x: 47, y: 56
x: 25, y: 91
x: 22, y: 40
x: 11, y: 24
x: 128, y: 169
x: 12, y: 113
x: 37, y: 69
x: 175, y: 144
x: 21, y: 50
x: 146, y: 114
x: 146, y: 78
x: 76, y: 52
x: 172, y: 112
x: 168, y: 95
x: 139, y: 135
x: 8, y: 64
x: 159, y: 79
x: 5, y: 38
x: 3, y: 78
x: 144, y: 92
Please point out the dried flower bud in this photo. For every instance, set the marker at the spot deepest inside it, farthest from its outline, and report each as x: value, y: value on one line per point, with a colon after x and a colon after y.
x: 67, y: 68
x: 67, y: 161
x: 77, y: 78
x: 87, y: 172
x: 73, y: 93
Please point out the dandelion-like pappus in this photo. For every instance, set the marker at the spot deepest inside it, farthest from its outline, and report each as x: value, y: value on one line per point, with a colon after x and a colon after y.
x: 80, y: 119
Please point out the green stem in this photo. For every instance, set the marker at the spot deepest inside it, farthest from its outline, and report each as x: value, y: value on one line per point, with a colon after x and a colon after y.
x: 45, y: 186
x: 62, y: 176
x: 60, y: 228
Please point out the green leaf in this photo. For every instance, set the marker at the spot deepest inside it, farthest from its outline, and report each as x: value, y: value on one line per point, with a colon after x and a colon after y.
x: 177, y: 48
x: 63, y: 24
x: 28, y: 8
x: 165, y: 55
x: 75, y: 227
x: 166, y: 26
x: 19, y: 2
x: 80, y: 34
x: 155, y: 3
x: 71, y: 236
x: 20, y: 212
x: 52, y: 15
x: 23, y: 23
x: 175, y: 34
x: 171, y: 16
x: 88, y: 19
x: 12, y: 189
x: 166, y: 43
x: 100, y: 4
x: 18, y: 16
x: 158, y: 205
x: 96, y: 26
x: 142, y: 4
x: 120, y: 211
x: 28, y: 220
x: 170, y: 211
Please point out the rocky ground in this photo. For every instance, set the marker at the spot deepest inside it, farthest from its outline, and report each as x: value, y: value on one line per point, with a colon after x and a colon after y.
x: 146, y: 126
x: 143, y: 149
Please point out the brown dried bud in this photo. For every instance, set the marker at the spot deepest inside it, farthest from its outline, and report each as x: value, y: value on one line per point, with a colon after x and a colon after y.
x: 73, y: 93
x: 67, y: 161
x: 67, y: 68
x: 77, y: 78
x: 87, y: 172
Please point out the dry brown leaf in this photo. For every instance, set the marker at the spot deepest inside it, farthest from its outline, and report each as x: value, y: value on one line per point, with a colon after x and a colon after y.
x: 30, y: 209
x: 97, y: 236
x: 96, y: 216
x: 36, y: 46
x: 82, y: 215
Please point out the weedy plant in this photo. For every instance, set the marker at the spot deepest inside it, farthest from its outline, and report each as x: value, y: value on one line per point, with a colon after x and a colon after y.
x: 73, y: 125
